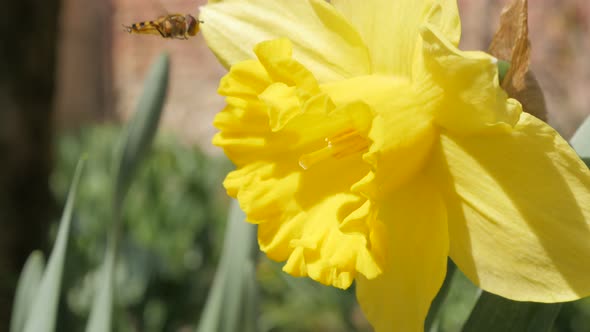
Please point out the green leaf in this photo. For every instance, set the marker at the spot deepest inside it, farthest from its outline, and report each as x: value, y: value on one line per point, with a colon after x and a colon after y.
x: 232, y: 303
x: 440, y: 297
x: 581, y: 141
x: 43, y: 312
x: 27, y: 287
x: 142, y: 128
x: 133, y: 147
x: 495, y: 313
x: 100, y: 316
x: 503, y: 67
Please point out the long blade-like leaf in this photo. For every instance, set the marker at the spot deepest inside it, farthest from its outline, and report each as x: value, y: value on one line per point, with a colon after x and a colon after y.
x: 142, y: 128
x: 28, y: 285
x: 100, y: 316
x: 495, y: 313
x: 133, y: 147
x: 42, y: 314
x: 232, y: 304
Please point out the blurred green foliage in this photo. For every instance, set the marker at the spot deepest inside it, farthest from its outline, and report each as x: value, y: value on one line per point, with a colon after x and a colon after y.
x: 173, y: 226
x: 300, y: 304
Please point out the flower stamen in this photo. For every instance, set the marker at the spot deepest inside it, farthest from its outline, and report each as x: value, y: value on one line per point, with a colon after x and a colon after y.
x: 343, y: 144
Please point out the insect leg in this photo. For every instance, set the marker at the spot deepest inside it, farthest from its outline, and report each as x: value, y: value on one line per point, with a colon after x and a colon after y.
x: 162, y: 33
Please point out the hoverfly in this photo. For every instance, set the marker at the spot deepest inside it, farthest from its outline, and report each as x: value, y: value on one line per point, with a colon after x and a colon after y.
x: 176, y: 26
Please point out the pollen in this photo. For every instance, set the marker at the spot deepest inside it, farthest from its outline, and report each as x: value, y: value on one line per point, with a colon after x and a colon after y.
x: 343, y: 144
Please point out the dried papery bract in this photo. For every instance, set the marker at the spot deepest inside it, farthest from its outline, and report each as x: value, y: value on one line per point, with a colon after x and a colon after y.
x: 511, y: 43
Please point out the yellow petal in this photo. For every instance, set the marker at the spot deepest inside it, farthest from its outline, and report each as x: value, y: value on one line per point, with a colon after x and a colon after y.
x: 473, y: 100
x: 283, y: 104
x: 254, y: 132
x: 258, y: 105
x: 324, y: 41
x: 402, y: 140
x: 402, y: 130
x: 390, y: 28
x: 299, y: 215
x: 417, y: 242
x: 277, y: 58
x: 519, y: 212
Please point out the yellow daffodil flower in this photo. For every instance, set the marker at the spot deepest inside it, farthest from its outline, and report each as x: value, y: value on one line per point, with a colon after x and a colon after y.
x: 369, y: 147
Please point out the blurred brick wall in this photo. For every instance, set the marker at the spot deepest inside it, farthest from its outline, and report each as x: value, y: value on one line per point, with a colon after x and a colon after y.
x: 102, y: 68
x: 192, y: 98
x: 84, y: 66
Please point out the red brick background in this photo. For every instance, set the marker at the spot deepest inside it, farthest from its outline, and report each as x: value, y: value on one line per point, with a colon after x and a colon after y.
x: 98, y: 47
x: 192, y: 99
